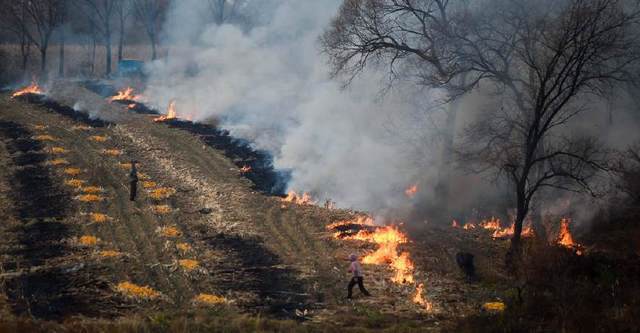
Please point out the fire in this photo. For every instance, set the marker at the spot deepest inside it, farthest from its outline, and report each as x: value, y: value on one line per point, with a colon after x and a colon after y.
x: 491, y: 224
x: 171, y: 113
x: 418, y: 298
x: 360, y: 220
x: 564, y: 236
x: 131, y: 106
x: 125, y: 95
x: 411, y: 191
x: 304, y: 199
x: 469, y: 226
x: 33, y: 88
x: 454, y: 224
x: 245, y: 169
x: 527, y: 231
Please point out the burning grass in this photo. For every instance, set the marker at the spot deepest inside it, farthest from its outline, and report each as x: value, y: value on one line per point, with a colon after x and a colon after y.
x: 98, y: 138
x: 135, y: 291
x: 160, y: 209
x: 92, y: 189
x: 147, y: 184
x: 87, y: 240
x: 99, y: 217
x: 169, y: 231
x: 111, y: 152
x: 45, y: 137
x: 304, y: 199
x: 33, y: 88
x: 189, y: 264
x: 419, y: 299
x: 125, y: 94
x: 57, y: 150
x: 89, y: 198
x: 72, y: 171
x: 209, y: 299
x: 161, y: 193
x: 183, y: 247
x: 171, y: 113
x: 58, y: 162
x: 75, y: 183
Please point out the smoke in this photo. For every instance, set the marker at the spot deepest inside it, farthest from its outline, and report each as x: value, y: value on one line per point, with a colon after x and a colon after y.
x: 269, y: 84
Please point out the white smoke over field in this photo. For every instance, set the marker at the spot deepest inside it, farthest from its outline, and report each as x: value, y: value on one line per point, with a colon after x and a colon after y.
x: 269, y: 84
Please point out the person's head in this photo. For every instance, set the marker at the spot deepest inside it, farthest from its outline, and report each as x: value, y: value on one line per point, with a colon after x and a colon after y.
x: 353, y: 257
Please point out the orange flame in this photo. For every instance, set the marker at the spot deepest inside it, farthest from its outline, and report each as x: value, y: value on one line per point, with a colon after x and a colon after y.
x: 171, y: 113
x: 564, y: 236
x: 454, y: 224
x: 245, y: 169
x: 469, y: 226
x: 411, y: 191
x: 33, y: 88
x: 125, y: 95
x: 527, y: 231
x: 304, y: 199
x: 418, y: 298
x: 491, y: 224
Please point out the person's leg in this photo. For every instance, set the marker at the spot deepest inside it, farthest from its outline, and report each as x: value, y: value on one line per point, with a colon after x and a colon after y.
x: 350, y: 287
x: 132, y: 194
x: 361, y: 286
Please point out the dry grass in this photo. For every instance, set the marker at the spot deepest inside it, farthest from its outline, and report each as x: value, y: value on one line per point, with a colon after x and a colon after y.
x: 183, y: 247
x: 168, y: 231
x: 58, y: 162
x: 160, y: 209
x: 161, y: 193
x: 87, y: 240
x: 135, y: 291
x: 109, y: 254
x: 40, y: 127
x: 72, y: 171
x: 90, y: 198
x: 143, y: 176
x: 81, y: 127
x: 125, y: 166
x: 98, y: 138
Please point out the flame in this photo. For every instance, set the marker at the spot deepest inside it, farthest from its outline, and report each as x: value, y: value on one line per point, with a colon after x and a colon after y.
x: 245, y: 169
x: 131, y: 106
x: 411, y: 191
x: 304, y: 199
x: 469, y: 226
x: 564, y: 235
x: 491, y: 224
x: 454, y: 224
x: 125, y: 95
x: 527, y: 231
x: 171, y: 113
x: 419, y: 299
x: 33, y: 88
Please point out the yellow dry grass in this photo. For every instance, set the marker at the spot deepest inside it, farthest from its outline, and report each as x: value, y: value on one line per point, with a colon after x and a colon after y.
x: 126, y: 166
x: 58, y: 150
x: 109, y: 254
x: 143, y: 176
x: 98, y: 138
x: 112, y: 152
x: 148, y: 184
x: 132, y: 290
x: 183, y: 247
x: 72, y: 171
x: 168, y: 231
x: 160, y: 209
x: 161, y: 193
x: 99, y: 217
x: 92, y: 189
x: 45, y: 137
x: 87, y: 240
x: 77, y: 183
x: 90, y: 198
x: 189, y: 264
x: 209, y: 299
x: 58, y: 161
x: 40, y: 127
x: 81, y: 127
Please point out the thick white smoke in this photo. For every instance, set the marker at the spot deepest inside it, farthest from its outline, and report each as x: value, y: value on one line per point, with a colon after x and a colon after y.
x: 270, y: 84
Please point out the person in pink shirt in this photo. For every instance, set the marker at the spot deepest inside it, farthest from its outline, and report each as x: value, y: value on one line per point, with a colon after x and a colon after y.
x: 356, y: 269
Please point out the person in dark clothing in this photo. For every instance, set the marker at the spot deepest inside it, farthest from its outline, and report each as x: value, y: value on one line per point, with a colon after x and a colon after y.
x: 356, y: 269
x: 133, y: 181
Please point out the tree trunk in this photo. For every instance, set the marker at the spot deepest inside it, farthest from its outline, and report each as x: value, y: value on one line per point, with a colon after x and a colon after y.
x: 61, y: 54
x: 108, y: 47
x: 93, y: 55
x: 120, y: 41
x: 43, y: 61
x: 25, y: 49
x: 447, y: 152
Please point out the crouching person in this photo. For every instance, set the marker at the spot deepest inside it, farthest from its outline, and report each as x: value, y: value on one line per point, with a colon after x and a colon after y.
x: 356, y: 269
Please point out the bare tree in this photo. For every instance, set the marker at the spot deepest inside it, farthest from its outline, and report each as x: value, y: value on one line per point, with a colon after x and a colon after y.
x: 100, y: 14
x: 547, y: 60
x: 404, y: 34
x: 149, y: 13
x: 62, y: 37
x: 14, y: 19
x: 123, y: 14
